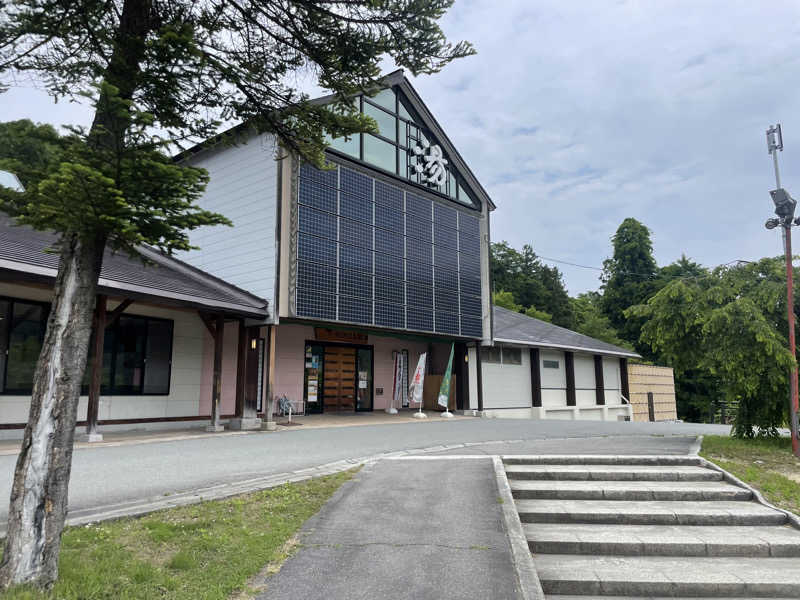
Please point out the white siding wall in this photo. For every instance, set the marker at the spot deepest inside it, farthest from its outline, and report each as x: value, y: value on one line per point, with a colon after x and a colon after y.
x: 585, y: 386
x: 611, y: 379
x: 554, y: 381
x: 183, y: 399
x: 242, y: 187
x: 507, y: 386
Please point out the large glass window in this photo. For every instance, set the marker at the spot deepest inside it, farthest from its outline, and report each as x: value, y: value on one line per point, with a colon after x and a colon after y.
x: 379, y: 153
x: 22, y: 330
x: 393, y: 149
x: 137, y: 351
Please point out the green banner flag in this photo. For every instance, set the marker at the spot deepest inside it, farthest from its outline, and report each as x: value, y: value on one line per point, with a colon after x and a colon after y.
x: 444, y: 391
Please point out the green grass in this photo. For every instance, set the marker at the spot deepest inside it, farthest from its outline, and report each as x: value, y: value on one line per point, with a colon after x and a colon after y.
x: 766, y: 464
x: 205, y: 551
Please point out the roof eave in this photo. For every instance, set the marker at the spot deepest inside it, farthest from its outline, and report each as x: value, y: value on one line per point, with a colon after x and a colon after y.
x: 544, y: 344
x: 151, y: 294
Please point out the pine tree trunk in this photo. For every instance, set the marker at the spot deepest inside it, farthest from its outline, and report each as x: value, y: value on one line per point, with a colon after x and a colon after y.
x: 38, y: 505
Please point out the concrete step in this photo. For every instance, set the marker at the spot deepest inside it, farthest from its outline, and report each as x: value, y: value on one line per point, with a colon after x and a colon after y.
x: 628, y: 490
x: 567, y: 459
x: 667, y: 576
x: 663, y: 540
x: 613, y: 473
x: 653, y: 512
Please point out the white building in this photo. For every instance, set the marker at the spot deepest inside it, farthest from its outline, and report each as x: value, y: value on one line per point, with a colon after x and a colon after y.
x: 542, y: 371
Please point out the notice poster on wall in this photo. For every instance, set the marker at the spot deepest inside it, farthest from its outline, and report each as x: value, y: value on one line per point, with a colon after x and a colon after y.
x: 311, y: 392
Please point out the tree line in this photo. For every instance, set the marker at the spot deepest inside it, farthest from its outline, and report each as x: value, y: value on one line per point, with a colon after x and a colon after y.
x: 723, y: 330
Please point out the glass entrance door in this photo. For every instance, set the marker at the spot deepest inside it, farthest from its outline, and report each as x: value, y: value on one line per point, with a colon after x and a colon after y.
x: 312, y: 378
x: 364, y: 379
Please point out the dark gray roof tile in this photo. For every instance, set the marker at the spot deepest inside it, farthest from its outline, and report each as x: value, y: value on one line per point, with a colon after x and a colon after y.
x: 163, y: 276
x: 516, y: 327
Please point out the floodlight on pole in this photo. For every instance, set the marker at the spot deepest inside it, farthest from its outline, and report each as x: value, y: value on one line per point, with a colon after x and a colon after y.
x: 784, y: 208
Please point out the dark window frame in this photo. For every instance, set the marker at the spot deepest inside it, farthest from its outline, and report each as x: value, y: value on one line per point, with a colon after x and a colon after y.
x: 6, y: 342
x: 110, y: 391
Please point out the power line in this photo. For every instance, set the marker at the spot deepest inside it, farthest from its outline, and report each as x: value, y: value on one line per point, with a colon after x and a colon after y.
x: 646, y: 275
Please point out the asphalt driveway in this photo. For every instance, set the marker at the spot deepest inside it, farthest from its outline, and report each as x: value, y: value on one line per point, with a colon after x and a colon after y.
x: 394, y: 533
x: 107, y: 475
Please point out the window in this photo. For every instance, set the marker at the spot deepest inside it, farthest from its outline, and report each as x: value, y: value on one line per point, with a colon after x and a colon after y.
x: 22, y: 326
x: 137, y: 357
x: 380, y: 153
x: 512, y: 356
x: 491, y: 354
x: 392, y: 149
x: 550, y: 364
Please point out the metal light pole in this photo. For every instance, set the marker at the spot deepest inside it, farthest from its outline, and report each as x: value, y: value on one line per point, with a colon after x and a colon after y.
x: 784, y: 208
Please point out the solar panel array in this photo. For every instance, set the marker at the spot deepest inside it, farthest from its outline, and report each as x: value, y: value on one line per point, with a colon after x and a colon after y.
x: 370, y: 252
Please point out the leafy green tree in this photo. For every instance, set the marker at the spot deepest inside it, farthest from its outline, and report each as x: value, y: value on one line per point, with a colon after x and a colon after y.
x: 539, y: 314
x: 506, y: 300
x: 532, y: 283
x: 29, y: 150
x: 160, y: 74
x: 591, y: 321
x: 682, y: 268
x: 728, y: 328
x: 629, y: 278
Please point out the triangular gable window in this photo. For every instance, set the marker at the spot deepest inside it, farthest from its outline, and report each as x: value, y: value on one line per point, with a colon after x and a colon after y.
x: 403, y: 146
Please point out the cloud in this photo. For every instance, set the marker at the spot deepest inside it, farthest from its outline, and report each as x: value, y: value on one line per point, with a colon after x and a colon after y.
x: 576, y: 115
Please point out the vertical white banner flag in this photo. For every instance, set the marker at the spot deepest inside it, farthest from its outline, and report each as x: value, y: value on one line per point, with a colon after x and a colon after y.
x: 417, y: 384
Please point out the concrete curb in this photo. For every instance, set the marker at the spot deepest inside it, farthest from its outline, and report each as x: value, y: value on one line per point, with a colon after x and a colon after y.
x: 694, y: 449
x: 793, y: 519
x: 527, y: 577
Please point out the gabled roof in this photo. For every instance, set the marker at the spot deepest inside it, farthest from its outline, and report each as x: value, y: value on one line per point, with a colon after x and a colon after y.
x: 167, y: 281
x: 398, y: 79
x: 515, y: 328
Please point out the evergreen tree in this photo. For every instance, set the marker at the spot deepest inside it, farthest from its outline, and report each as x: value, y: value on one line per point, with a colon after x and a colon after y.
x: 629, y: 278
x: 160, y: 74
x: 531, y: 283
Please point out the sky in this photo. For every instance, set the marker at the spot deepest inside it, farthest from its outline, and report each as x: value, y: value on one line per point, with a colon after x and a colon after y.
x: 576, y: 115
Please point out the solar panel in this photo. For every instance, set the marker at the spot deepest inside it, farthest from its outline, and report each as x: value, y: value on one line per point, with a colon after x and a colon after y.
x: 447, y: 322
x: 370, y: 252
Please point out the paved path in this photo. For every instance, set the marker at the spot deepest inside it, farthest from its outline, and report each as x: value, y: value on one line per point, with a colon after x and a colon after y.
x: 107, y: 475
x: 391, y: 534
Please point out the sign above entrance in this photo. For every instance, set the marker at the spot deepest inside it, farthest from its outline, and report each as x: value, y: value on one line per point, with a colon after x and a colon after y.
x: 325, y: 334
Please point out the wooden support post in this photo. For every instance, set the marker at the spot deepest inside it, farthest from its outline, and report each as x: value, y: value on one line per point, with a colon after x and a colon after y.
x: 216, y: 393
x: 93, y: 406
x: 241, y: 370
x: 623, y: 379
x: 536, y: 379
x: 269, y: 407
x: 569, y: 364
x: 599, y: 383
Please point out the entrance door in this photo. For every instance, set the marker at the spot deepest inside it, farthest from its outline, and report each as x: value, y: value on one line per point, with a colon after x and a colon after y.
x: 339, y: 387
x: 312, y: 380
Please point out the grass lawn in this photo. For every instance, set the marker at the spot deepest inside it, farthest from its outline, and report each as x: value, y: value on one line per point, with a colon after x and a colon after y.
x: 766, y: 464
x: 208, y: 550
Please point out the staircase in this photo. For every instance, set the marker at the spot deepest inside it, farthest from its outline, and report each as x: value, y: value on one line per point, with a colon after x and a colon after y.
x: 650, y: 527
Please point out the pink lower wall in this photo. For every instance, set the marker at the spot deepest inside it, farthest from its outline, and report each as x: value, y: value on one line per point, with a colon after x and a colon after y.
x: 289, y: 361
x: 230, y: 343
